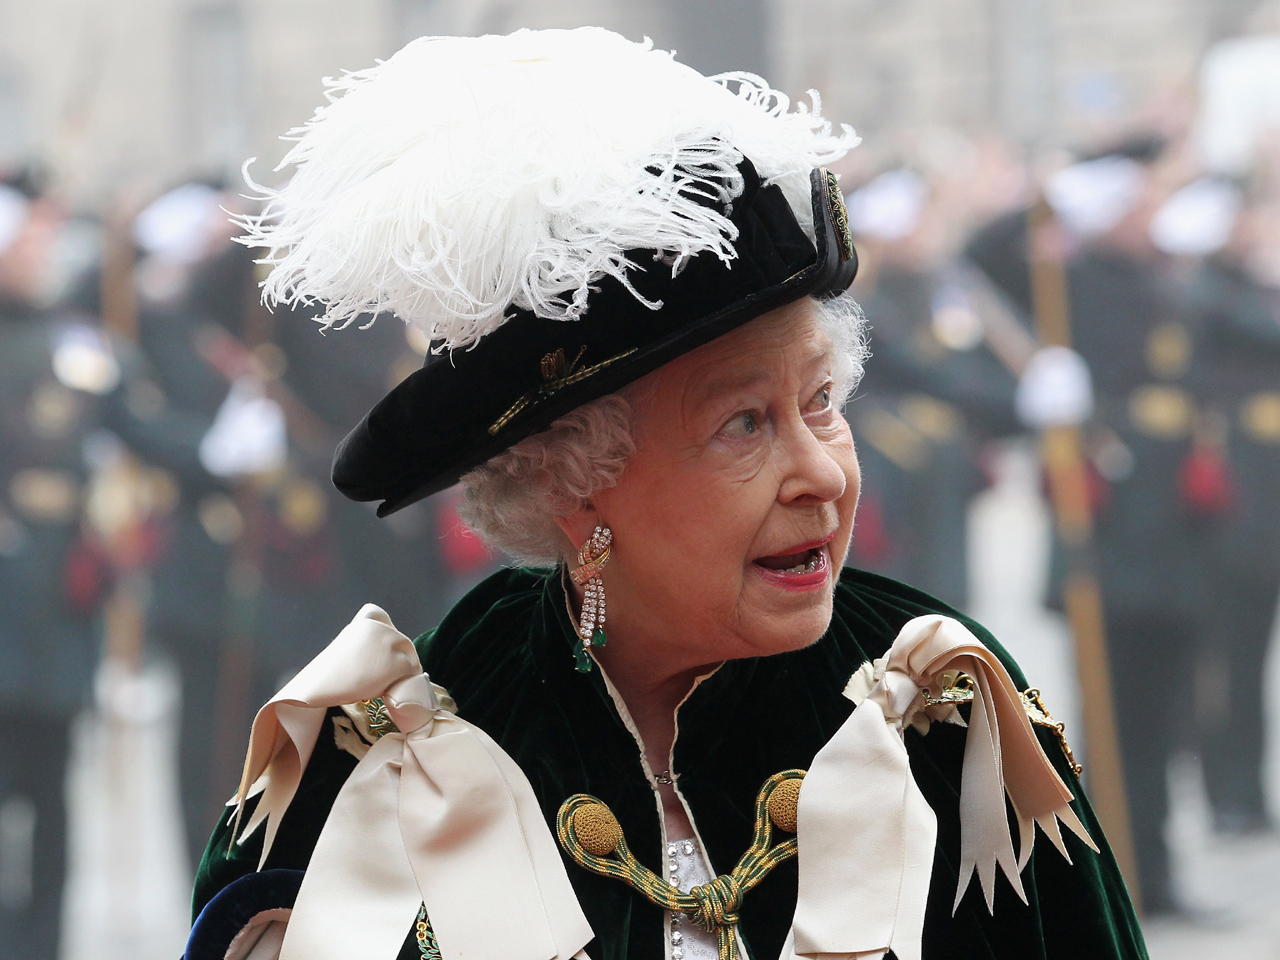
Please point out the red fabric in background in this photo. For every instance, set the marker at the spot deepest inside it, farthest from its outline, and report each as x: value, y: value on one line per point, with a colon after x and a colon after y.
x: 460, y: 549
x: 1205, y: 482
x: 870, y: 538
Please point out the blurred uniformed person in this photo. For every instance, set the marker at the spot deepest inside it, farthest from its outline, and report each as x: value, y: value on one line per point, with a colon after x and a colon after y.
x: 265, y: 559
x: 1138, y: 442
x: 52, y: 374
x: 1231, y: 483
x: 954, y: 369
x: 941, y: 386
x: 175, y: 401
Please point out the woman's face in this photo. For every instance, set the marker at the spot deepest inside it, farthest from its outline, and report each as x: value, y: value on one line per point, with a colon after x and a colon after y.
x: 733, y: 517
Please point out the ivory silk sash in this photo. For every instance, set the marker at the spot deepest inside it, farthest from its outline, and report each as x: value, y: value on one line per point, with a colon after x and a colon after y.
x: 866, y: 833
x: 436, y: 814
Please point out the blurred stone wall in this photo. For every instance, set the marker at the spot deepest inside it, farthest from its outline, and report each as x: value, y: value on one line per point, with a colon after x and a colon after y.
x: 1043, y: 72
x: 123, y: 98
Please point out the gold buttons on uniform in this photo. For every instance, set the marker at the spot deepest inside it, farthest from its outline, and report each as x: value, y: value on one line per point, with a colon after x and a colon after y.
x: 1260, y: 417
x: 221, y: 519
x: 936, y: 419
x: 52, y: 411
x: 45, y: 496
x: 1169, y: 351
x: 900, y: 443
x: 303, y: 507
x: 1160, y: 411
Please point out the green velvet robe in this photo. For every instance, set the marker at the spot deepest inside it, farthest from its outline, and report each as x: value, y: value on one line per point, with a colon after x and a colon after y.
x: 505, y: 654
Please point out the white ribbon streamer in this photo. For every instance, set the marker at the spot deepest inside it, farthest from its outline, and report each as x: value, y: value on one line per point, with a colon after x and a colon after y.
x: 435, y: 814
x: 865, y: 830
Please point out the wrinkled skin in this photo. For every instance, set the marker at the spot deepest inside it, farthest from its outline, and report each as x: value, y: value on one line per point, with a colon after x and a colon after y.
x: 742, y: 462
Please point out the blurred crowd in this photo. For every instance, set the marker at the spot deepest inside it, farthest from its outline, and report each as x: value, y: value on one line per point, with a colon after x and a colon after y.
x: 165, y: 444
x: 1130, y: 293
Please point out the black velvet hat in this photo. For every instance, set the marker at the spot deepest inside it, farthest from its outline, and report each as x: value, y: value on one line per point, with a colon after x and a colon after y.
x: 466, y: 406
x: 560, y: 212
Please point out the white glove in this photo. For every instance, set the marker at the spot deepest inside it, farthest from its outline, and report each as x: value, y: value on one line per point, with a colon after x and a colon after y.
x: 248, y: 434
x: 1055, y: 389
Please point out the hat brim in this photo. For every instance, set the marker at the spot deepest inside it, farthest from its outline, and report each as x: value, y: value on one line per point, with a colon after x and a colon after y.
x: 465, y: 407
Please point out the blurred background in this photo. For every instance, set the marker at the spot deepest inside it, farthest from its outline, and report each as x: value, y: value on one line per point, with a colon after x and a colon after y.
x: 1068, y: 214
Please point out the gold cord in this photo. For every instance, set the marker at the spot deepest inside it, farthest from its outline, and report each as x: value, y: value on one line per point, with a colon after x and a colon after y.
x: 590, y: 834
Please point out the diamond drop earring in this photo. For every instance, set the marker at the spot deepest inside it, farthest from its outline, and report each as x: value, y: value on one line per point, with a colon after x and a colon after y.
x: 591, y: 560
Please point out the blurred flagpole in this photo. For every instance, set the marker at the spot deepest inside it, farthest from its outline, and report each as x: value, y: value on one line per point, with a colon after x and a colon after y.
x: 1064, y: 462
x: 256, y: 355
x: 117, y: 510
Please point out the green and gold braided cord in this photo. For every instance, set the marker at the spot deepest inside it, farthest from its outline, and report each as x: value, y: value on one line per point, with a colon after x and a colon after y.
x: 590, y: 834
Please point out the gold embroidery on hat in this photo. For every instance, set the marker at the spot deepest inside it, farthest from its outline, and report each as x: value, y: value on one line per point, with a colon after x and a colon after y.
x: 839, y: 216
x: 557, y: 373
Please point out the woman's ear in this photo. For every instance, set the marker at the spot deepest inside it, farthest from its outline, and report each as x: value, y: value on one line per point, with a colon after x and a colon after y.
x: 579, y: 525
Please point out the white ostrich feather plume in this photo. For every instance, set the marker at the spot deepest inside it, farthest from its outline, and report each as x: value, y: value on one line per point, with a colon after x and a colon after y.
x: 464, y: 176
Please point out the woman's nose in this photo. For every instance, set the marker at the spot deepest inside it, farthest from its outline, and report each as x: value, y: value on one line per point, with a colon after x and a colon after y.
x: 812, y: 472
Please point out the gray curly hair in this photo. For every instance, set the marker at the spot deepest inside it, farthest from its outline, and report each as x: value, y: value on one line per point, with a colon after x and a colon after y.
x: 511, y: 501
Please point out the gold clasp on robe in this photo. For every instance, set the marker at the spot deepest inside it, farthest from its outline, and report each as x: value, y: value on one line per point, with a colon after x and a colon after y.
x: 1039, y: 714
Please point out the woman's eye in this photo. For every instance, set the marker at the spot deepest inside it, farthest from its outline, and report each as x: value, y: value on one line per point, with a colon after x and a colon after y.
x: 821, y: 400
x: 742, y: 425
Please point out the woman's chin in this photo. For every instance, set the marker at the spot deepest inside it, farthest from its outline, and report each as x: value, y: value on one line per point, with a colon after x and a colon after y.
x: 791, y: 612
x: 783, y: 634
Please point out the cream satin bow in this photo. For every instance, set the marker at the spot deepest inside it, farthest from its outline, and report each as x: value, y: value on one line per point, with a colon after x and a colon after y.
x: 437, y: 814
x: 866, y: 832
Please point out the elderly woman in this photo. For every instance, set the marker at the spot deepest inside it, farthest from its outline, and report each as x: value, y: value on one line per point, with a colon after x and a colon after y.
x: 644, y: 742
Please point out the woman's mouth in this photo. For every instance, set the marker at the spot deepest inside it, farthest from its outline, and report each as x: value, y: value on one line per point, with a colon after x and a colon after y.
x: 803, y: 568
